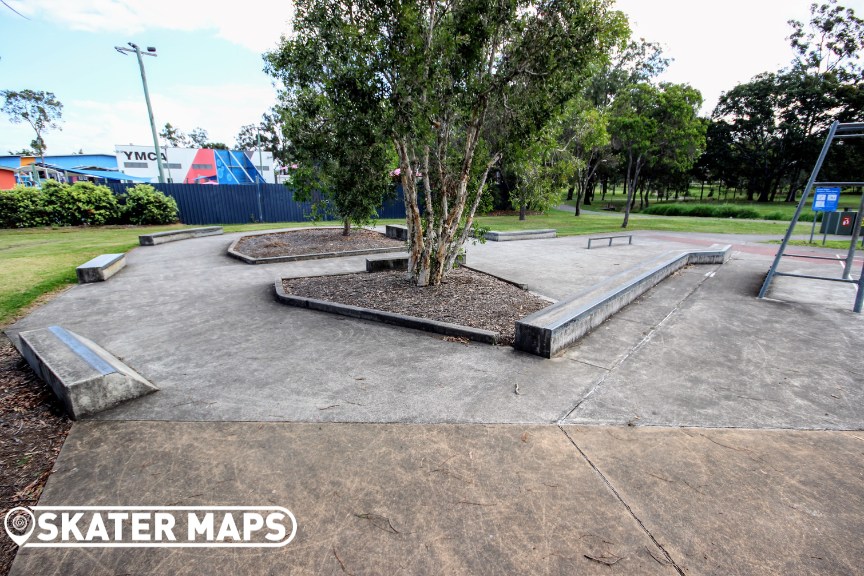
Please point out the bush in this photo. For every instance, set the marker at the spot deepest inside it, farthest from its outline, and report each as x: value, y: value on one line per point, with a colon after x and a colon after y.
x: 80, y: 203
x: 703, y: 211
x: 146, y: 205
x: 23, y: 207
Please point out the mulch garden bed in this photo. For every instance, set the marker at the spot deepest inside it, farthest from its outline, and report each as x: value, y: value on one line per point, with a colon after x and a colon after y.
x: 33, y: 427
x: 312, y: 241
x: 466, y: 297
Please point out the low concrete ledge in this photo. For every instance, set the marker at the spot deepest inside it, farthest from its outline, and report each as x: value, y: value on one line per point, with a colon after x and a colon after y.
x: 444, y: 328
x: 386, y: 263
x: 174, y: 235
x: 521, y: 235
x: 232, y: 251
x: 397, y: 232
x: 100, y: 268
x: 85, y: 377
x: 551, y: 330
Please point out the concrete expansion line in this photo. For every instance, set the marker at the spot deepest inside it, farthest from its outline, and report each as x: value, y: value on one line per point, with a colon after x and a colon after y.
x: 641, y: 524
x: 647, y: 338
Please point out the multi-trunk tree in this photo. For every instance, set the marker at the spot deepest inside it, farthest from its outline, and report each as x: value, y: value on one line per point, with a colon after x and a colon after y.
x: 436, y: 71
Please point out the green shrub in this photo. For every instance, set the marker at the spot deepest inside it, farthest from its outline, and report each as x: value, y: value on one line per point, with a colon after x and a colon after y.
x: 146, y: 205
x: 80, y: 203
x: 704, y: 211
x: 23, y: 207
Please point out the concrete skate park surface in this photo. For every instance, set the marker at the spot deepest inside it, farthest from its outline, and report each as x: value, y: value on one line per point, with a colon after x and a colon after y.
x: 485, y: 460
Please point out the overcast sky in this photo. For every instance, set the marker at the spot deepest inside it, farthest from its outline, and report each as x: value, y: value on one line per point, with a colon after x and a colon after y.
x: 208, y: 71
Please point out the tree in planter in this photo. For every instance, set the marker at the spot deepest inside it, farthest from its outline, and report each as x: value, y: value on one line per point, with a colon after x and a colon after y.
x: 40, y: 109
x: 435, y: 70
x: 343, y: 157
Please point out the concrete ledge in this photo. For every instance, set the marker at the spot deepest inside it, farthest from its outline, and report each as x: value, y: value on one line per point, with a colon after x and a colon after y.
x: 385, y: 263
x: 232, y: 251
x: 521, y: 235
x: 174, y: 235
x: 85, y: 377
x: 445, y: 328
x: 397, y: 232
x: 551, y: 330
x: 100, y: 268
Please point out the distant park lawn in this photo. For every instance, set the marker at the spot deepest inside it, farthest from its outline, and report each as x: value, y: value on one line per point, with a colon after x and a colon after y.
x: 38, y: 261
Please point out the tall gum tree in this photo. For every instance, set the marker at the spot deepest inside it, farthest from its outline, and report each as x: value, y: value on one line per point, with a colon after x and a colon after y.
x: 439, y: 69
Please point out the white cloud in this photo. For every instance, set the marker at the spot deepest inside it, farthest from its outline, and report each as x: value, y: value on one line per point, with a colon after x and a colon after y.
x: 96, y: 127
x: 256, y: 26
x: 717, y: 45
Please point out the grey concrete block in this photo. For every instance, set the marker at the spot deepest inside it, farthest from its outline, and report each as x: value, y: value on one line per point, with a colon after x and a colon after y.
x: 400, y: 263
x: 520, y: 235
x: 397, y: 232
x: 387, y: 263
x: 85, y: 377
x: 234, y: 253
x: 174, y: 235
x: 551, y: 330
x: 445, y: 328
x: 100, y: 268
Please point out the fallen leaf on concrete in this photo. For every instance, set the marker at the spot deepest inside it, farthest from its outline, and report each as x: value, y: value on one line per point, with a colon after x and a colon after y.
x: 607, y: 560
x: 379, y: 521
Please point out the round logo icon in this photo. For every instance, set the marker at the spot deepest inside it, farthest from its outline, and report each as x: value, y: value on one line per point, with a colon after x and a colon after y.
x: 19, y: 524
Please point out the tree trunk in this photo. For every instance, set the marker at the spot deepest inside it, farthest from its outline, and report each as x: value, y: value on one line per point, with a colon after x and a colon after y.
x: 522, y: 209
x: 629, y: 182
x: 346, y: 227
x: 570, y: 193
x: 604, y: 184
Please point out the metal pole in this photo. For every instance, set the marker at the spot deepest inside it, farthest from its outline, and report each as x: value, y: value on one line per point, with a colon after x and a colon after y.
x: 859, y: 295
x: 767, y: 284
x: 813, y: 229
x: 150, y: 113
x: 856, y: 231
x: 258, y: 180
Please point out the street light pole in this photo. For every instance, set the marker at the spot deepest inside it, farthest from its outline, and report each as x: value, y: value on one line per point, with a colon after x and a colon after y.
x: 150, y: 52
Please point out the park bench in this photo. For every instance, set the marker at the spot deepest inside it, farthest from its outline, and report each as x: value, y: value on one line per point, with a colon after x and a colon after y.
x: 182, y: 234
x: 100, y: 268
x: 611, y: 238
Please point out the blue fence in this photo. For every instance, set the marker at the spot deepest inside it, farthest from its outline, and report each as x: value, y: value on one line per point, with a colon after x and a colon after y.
x: 239, y: 204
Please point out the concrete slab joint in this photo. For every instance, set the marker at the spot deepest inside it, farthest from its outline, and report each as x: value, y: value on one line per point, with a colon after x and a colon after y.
x: 86, y: 378
x: 174, y: 235
x: 551, y: 330
x: 100, y: 268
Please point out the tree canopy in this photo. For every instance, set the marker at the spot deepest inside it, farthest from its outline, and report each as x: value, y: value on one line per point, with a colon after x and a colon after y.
x: 41, y: 110
x: 432, y: 74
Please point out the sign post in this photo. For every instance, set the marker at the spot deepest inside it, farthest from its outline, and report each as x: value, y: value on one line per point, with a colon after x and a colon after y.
x: 824, y: 200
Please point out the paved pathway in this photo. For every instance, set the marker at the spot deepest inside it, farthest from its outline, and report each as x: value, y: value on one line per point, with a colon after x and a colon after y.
x: 699, y: 431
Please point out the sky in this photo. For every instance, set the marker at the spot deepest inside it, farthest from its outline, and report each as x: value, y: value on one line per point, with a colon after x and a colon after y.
x: 209, y: 72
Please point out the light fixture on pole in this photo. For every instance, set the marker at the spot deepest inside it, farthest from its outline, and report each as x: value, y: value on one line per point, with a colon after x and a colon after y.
x: 151, y: 51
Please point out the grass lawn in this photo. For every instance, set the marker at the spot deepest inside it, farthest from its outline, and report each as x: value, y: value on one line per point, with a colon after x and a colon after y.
x: 569, y: 225
x: 38, y: 261
x: 833, y: 244
x: 777, y: 210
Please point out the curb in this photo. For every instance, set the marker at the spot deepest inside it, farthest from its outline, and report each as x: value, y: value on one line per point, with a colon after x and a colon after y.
x: 443, y: 328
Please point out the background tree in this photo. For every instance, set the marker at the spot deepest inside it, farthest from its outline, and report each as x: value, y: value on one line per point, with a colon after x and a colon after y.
x: 174, y: 136
x: 436, y: 69
x: 40, y: 109
x: 657, y: 127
